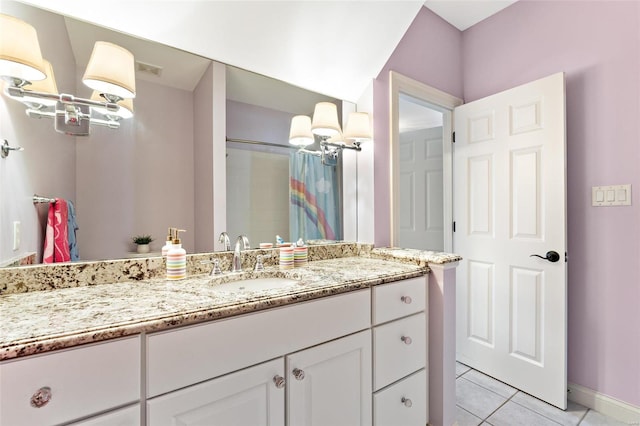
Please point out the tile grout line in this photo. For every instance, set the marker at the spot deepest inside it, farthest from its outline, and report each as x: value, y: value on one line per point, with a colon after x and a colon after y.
x: 544, y: 415
x: 511, y: 397
x: 500, y: 406
x: 583, y: 416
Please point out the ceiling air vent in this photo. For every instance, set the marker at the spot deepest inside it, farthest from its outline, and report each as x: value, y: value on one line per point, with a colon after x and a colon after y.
x: 148, y: 68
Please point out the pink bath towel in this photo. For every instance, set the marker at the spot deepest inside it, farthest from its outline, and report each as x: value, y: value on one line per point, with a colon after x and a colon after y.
x: 56, y: 242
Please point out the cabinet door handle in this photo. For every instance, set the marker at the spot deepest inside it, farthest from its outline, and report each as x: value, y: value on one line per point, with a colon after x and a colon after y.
x: 406, y: 339
x: 41, y: 397
x: 298, y: 374
x: 407, y: 402
x: 406, y: 299
x: 279, y: 381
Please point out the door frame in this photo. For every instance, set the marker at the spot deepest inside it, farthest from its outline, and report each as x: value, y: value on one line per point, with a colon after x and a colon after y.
x: 440, y: 101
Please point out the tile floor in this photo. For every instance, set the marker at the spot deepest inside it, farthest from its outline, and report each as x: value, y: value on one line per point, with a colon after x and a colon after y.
x: 482, y: 400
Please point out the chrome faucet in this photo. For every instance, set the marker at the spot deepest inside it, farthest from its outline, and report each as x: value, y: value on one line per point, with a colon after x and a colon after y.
x: 241, y: 243
x: 224, y: 239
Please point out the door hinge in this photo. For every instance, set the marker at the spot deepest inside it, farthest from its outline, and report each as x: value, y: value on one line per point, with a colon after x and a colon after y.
x: 453, y: 137
x: 454, y: 227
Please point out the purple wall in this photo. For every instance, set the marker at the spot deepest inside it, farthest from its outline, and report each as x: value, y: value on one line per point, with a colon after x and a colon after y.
x: 47, y: 164
x: 430, y: 52
x: 597, y: 45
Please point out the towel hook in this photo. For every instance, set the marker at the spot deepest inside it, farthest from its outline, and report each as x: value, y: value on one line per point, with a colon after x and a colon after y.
x: 4, y: 150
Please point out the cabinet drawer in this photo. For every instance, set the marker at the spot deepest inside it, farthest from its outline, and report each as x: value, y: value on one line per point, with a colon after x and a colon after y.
x: 399, y: 299
x: 82, y: 381
x: 390, y: 409
x: 129, y: 416
x: 400, y: 348
x: 189, y: 355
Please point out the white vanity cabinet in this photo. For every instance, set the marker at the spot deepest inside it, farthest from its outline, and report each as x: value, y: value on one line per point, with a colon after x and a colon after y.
x: 400, y: 353
x: 188, y: 380
x: 66, y: 385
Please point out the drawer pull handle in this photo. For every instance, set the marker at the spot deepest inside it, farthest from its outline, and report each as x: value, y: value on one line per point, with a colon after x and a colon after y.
x: 406, y: 299
x: 279, y: 381
x: 407, y: 402
x: 41, y: 397
x: 406, y: 339
x: 298, y: 374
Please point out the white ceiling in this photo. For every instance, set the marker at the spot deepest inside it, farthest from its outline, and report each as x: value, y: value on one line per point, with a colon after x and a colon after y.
x: 463, y: 14
x: 331, y: 47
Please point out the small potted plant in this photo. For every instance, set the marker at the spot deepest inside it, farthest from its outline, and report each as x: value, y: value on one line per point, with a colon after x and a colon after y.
x: 143, y: 241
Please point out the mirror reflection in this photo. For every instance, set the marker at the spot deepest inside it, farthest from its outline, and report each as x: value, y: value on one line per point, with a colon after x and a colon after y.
x: 150, y: 173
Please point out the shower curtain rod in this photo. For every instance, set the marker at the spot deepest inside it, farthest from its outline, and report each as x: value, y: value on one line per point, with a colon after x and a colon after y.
x: 275, y: 145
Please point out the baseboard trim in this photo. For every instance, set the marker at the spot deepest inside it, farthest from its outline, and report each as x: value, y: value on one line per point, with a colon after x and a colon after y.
x: 604, y: 404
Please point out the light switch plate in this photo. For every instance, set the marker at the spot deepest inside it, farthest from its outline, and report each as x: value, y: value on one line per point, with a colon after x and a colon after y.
x: 612, y: 195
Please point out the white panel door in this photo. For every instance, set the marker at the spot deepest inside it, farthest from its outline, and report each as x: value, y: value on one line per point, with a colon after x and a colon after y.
x: 421, y: 213
x: 252, y: 396
x: 510, y: 203
x: 330, y: 384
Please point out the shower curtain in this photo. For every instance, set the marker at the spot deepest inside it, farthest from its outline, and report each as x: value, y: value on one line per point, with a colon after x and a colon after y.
x: 313, y: 206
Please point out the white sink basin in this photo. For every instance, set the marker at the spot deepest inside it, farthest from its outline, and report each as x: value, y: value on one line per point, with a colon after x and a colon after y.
x: 256, y: 284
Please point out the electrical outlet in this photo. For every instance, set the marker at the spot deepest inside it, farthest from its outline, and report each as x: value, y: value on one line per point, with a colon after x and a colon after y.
x: 16, y: 235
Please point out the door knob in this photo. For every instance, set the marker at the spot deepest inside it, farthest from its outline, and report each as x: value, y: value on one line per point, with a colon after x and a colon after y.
x: 551, y: 256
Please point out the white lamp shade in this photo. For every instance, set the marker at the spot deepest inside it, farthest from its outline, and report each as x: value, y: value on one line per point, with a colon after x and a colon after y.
x: 300, y: 132
x: 125, y: 111
x: 111, y: 70
x: 358, y: 127
x: 20, y: 55
x: 48, y: 85
x: 325, y: 119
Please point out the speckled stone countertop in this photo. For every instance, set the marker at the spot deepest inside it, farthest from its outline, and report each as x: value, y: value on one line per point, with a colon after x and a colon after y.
x: 40, y: 321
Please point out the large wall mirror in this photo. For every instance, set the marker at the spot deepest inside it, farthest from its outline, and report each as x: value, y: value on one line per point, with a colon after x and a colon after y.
x: 421, y: 165
x: 147, y: 175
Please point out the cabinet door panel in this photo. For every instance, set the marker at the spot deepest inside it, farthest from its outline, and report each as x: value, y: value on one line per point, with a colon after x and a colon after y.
x: 336, y: 388
x: 246, y: 397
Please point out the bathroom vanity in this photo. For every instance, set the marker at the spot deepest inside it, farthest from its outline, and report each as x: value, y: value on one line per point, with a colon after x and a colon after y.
x: 346, y: 342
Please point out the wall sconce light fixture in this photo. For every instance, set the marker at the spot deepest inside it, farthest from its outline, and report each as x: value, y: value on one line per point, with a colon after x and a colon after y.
x: 326, y: 126
x: 110, y: 72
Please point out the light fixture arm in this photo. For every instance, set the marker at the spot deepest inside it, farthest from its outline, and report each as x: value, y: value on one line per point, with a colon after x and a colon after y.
x: 63, y: 97
x: 112, y: 124
x: 355, y: 147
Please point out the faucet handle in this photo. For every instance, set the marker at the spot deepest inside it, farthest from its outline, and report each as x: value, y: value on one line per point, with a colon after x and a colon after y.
x: 216, y: 266
x: 259, y: 265
x: 224, y: 239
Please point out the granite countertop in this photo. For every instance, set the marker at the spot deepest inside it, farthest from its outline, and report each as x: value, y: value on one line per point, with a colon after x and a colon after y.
x: 41, y: 321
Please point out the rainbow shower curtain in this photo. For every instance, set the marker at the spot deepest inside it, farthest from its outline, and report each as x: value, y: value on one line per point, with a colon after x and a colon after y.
x: 313, y: 207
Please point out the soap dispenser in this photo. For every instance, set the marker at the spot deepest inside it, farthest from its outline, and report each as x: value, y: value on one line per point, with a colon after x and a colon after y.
x: 169, y: 243
x: 176, y: 258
